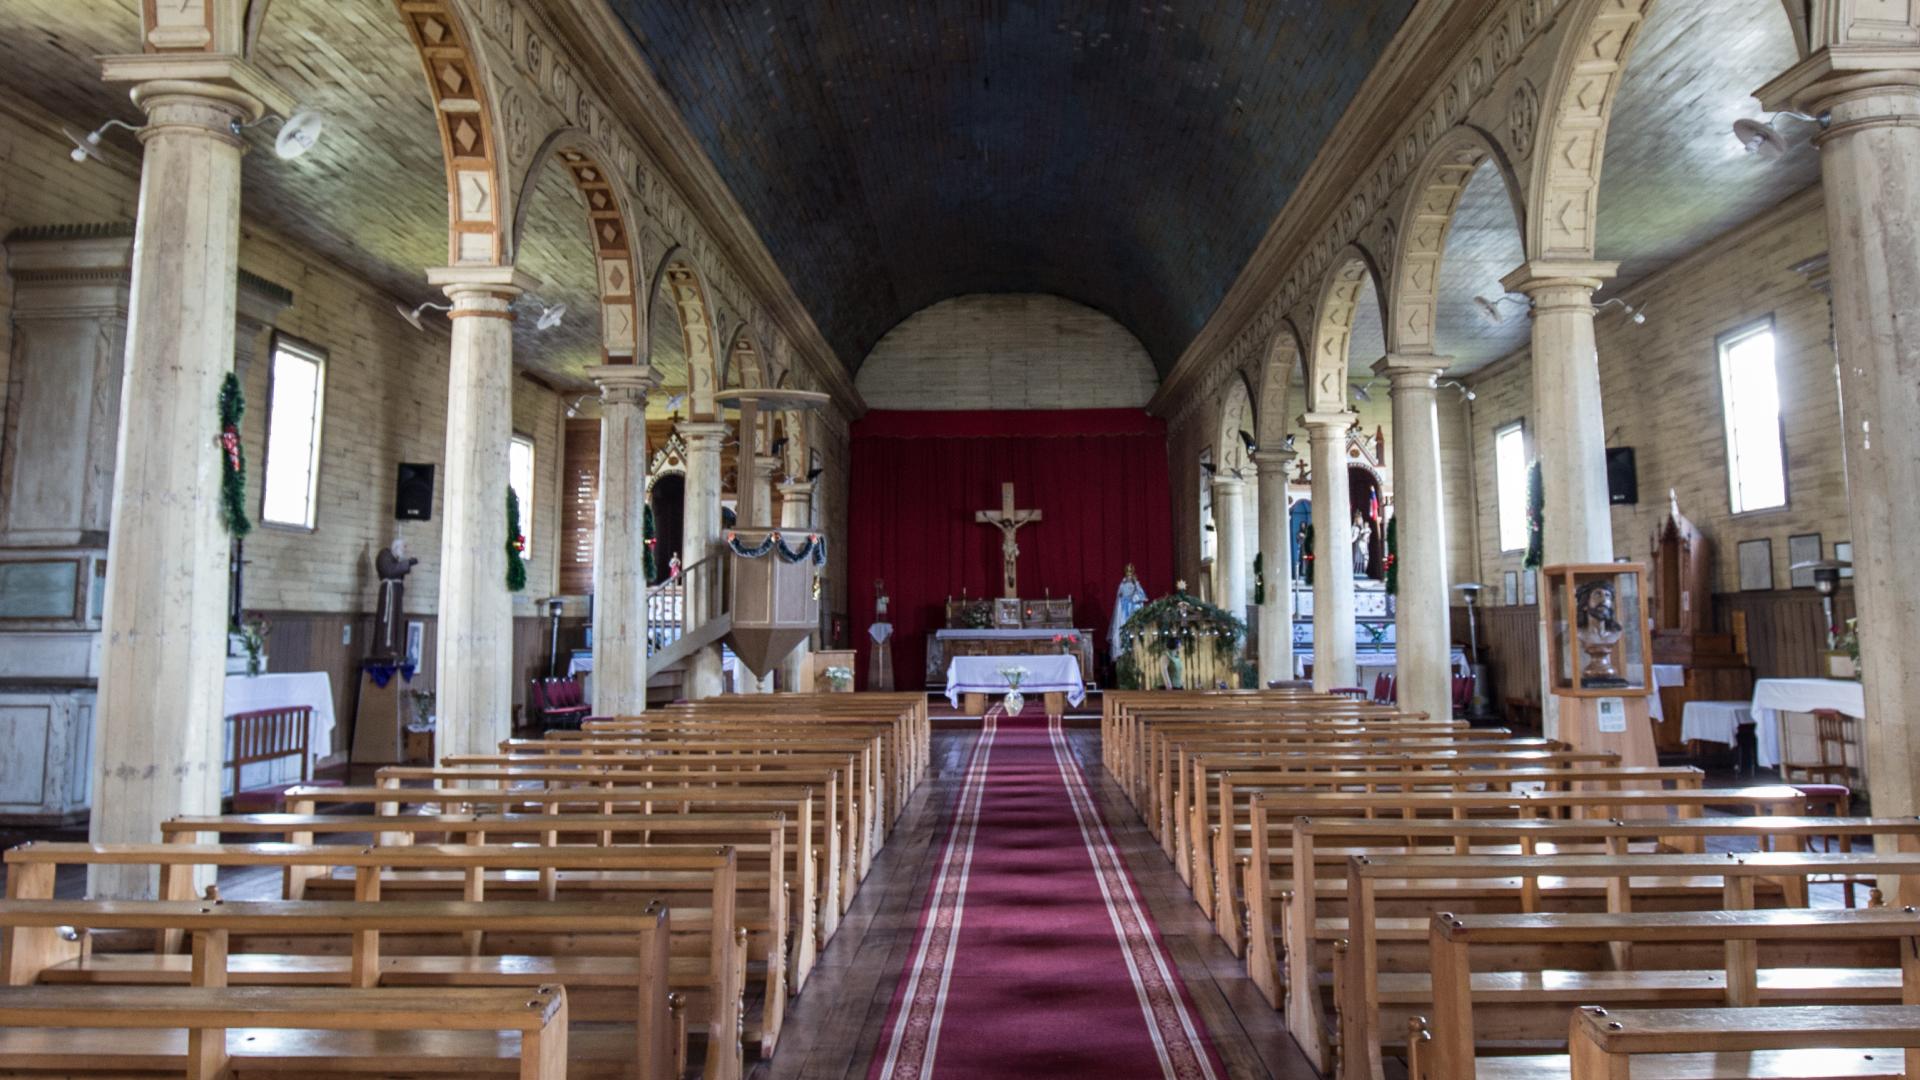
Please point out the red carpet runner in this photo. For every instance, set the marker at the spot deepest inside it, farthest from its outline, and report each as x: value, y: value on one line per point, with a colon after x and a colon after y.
x: 1035, y: 955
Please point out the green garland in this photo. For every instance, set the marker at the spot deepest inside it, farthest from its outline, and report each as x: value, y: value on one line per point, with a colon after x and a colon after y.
x: 1259, y: 578
x: 1306, y: 552
x: 647, y: 540
x: 233, y: 459
x: 1393, y: 556
x: 516, y: 545
x: 1536, y: 503
x: 1170, y: 631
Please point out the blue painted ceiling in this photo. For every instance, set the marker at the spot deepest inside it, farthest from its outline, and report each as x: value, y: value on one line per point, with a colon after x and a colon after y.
x: 1126, y: 154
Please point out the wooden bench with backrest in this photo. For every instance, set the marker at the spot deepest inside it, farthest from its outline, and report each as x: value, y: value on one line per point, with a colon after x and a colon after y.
x: 806, y: 836
x: 1829, y: 1041
x: 699, y: 889
x: 1786, y: 957
x: 1218, y: 863
x: 1436, y: 882
x: 754, y: 838
x: 40, y: 946
x: 209, y: 1032
x: 1125, y: 716
x: 1276, y: 929
x: 1134, y: 730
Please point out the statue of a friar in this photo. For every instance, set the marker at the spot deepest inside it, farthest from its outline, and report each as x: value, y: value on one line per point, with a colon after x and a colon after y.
x: 389, y: 636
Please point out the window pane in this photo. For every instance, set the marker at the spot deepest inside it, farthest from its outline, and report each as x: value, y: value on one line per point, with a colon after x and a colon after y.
x: 293, y: 437
x: 520, y: 476
x: 1510, y: 469
x: 1756, y: 461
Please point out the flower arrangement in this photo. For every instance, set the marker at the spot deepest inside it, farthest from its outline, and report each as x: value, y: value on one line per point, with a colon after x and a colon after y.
x: 423, y: 701
x: 1847, y: 640
x: 840, y: 678
x: 253, y: 639
x: 1015, y: 701
x: 1066, y: 643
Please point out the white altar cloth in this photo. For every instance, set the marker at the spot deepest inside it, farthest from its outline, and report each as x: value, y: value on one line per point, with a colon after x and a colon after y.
x: 1771, y: 697
x: 1714, y: 721
x: 1051, y: 674
x: 278, y: 691
x: 1037, y: 632
x: 1666, y: 675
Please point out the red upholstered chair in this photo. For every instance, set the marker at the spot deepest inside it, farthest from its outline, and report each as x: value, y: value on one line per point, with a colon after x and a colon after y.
x: 557, y: 703
x: 1381, y: 688
x: 1462, y: 692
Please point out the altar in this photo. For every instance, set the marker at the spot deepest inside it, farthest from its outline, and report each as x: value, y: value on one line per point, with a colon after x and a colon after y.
x: 973, y: 682
x: 945, y: 645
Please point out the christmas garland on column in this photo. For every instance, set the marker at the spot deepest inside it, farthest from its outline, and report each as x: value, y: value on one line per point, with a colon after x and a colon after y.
x: 233, y: 459
x: 647, y: 540
x: 516, y: 545
x: 1393, y: 557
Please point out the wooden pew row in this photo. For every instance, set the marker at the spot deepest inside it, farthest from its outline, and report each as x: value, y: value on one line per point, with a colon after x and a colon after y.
x: 1122, y: 716
x: 1216, y: 882
x: 699, y: 889
x: 1829, y: 1041
x: 36, y: 946
x: 1435, y: 882
x: 1279, y: 925
x: 1798, y: 966
x: 792, y: 892
x: 209, y: 1031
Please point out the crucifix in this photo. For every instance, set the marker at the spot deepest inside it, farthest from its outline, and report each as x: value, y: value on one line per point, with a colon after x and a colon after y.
x: 1008, y: 521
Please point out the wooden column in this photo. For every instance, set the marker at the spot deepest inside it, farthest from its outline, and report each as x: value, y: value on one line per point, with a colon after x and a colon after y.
x: 1423, y: 625
x: 701, y: 539
x: 620, y: 547
x: 1333, y: 627
x: 1276, y: 566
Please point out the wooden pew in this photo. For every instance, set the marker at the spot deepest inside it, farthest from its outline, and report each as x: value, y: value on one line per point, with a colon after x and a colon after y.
x: 1528, y: 1005
x: 1825, y: 1041
x: 91, y: 1030
x: 35, y: 949
x: 1372, y: 877
x: 708, y: 930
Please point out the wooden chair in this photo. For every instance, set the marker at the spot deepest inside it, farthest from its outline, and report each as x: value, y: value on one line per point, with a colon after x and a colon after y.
x: 557, y: 704
x: 1832, y: 733
x: 269, y: 735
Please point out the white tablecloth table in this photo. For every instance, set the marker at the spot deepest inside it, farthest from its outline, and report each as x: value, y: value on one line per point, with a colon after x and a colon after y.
x: 1050, y: 674
x: 1714, y: 721
x: 1665, y: 675
x: 278, y: 691
x: 1771, y: 697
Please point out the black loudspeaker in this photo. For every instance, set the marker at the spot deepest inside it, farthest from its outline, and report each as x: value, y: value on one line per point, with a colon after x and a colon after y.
x: 1623, y: 480
x: 413, y: 491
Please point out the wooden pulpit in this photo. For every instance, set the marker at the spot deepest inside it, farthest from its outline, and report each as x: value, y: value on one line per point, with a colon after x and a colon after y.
x: 1715, y: 666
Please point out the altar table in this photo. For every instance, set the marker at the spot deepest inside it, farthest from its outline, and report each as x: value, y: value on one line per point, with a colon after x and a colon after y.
x: 1714, y: 721
x: 1772, y: 697
x: 945, y: 645
x: 1670, y: 675
x: 1048, y: 675
x: 252, y: 694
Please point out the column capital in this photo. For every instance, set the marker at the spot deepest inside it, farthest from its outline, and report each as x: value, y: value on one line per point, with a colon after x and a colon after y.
x: 764, y: 465
x: 797, y: 490
x: 1277, y: 461
x: 1228, y: 484
x: 1412, y: 371
x: 1322, y: 425
x: 1837, y: 72
x: 624, y: 384
x: 1538, y: 275
x: 212, y: 76
x: 473, y: 282
x: 703, y: 433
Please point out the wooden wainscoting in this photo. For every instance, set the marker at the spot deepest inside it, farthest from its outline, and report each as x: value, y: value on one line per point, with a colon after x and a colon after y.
x: 1784, y: 633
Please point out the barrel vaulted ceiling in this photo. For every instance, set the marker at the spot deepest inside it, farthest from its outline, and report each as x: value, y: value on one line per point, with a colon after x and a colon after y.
x: 1125, y: 154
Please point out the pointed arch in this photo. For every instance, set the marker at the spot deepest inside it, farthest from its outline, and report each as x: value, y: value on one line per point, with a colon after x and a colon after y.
x: 745, y: 362
x: 1432, y: 200
x: 1284, y: 355
x: 616, y: 247
x: 1563, y: 190
x: 1236, y: 416
x: 477, y: 228
x: 1353, y: 270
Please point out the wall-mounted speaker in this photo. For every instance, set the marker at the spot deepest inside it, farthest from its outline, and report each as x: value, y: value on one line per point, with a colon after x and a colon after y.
x: 1623, y: 480
x: 413, y: 491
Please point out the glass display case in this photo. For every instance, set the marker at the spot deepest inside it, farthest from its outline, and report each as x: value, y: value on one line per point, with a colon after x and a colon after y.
x: 1596, y: 629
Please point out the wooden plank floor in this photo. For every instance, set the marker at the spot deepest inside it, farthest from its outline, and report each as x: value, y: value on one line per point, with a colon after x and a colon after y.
x: 833, y: 1028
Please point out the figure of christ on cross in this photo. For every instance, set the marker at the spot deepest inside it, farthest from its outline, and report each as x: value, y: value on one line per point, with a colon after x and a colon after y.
x: 1008, y: 521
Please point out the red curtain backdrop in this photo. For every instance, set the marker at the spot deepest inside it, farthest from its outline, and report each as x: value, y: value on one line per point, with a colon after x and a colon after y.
x: 1098, y: 475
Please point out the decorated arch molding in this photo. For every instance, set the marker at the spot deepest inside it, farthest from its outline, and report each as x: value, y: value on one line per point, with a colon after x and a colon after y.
x: 615, y: 245
x: 1564, y: 189
x: 1277, y: 371
x: 670, y: 459
x: 1432, y: 200
x: 1236, y: 415
x: 1340, y: 296
x: 684, y: 288
x: 478, y: 229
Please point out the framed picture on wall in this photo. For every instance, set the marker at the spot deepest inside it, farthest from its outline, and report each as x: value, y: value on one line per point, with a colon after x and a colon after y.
x: 1530, y: 586
x: 1804, y: 548
x: 416, y: 638
x: 1756, y: 565
x: 1843, y: 552
x: 1006, y: 613
x: 1510, y: 588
